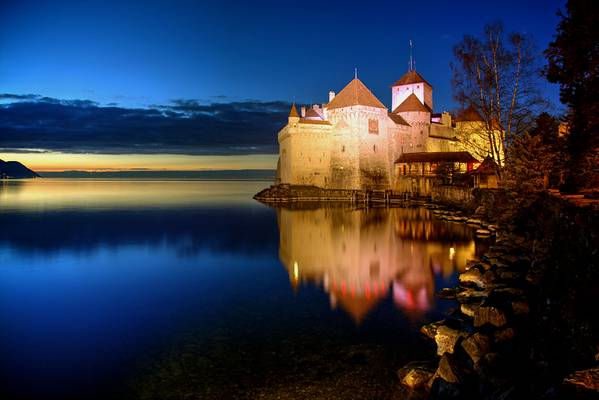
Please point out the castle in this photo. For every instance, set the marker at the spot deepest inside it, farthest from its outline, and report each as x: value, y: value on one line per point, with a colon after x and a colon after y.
x: 354, y: 142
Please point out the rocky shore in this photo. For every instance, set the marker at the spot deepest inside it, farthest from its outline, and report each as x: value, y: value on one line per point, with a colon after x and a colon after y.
x: 493, y: 344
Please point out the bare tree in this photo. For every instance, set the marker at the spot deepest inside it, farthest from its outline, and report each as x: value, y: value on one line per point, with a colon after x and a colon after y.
x: 496, y: 76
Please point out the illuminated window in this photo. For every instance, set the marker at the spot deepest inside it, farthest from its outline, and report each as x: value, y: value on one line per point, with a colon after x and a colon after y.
x: 373, y: 126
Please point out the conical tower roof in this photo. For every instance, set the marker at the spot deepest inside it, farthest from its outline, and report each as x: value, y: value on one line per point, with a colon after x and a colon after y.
x: 355, y: 94
x: 293, y: 113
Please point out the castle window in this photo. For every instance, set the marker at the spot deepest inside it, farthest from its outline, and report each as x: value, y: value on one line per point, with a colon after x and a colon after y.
x: 342, y: 149
x: 373, y: 126
x: 374, y: 148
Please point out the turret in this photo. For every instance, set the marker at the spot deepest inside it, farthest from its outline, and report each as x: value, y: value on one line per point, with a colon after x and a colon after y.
x: 294, y: 117
x: 411, y: 83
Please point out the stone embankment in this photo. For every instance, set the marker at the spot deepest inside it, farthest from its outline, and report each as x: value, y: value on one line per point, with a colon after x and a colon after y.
x: 285, y: 193
x: 476, y: 342
x: 294, y: 193
x: 488, y: 345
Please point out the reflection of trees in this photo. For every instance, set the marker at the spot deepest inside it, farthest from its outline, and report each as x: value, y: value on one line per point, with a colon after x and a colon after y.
x: 357, y: 255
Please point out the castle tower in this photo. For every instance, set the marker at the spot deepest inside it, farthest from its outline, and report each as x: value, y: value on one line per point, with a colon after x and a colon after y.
x: 294, y: 116
x: 359, y: 159
x: 411, y: 83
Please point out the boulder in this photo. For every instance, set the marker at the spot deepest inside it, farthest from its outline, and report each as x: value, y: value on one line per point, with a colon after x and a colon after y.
x: 472, y: 277
x: 469, y: 309
x: 507, y: 274
x: 504, y: 334
x: 508, y: 293
x: 483, y: 233
x: 488, y: 278
x: 448, y: 293
x: 473, y: 221
x: 490, y: 315
x: 587, y: 380
x: 493, y: 368
x: 471, y: 295
x: 480, y: 210
x: 520, y: 307
x: 416, y: 375
x: 441, y: 389
x: 447, y: 339
x: 430, y: 330
x: 476, y: 346
x: 451, y: 369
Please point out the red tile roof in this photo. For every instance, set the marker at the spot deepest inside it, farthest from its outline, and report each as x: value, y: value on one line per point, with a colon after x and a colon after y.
x: 469, y: 114
x: 409, y: 78
x: 398, y: 119
x: 355, y: 94
x: 411, y: 103
x: 314, y: 121
x: 312, y: 113
x: 487, y: 167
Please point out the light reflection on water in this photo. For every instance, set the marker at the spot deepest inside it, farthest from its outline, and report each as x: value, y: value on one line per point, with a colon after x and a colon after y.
x: 110, y: 194
x: 356, y: 256
x: 98, y: 276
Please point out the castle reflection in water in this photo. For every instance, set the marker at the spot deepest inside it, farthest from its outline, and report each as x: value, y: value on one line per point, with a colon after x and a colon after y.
x: 360, y: 256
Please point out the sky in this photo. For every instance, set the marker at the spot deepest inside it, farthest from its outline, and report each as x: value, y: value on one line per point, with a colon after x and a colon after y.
x: 120, y: 84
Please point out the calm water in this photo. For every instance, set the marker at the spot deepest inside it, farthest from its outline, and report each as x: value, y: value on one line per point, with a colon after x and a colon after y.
x: 146, y: 289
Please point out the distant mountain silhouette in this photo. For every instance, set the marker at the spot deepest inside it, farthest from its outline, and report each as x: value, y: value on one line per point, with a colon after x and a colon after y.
x: 15, y: 170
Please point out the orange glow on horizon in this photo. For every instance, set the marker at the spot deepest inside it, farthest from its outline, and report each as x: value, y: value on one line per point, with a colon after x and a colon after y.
x: 55, y: 162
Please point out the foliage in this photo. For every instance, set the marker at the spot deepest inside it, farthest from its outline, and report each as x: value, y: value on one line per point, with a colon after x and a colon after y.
x: 552, y: 146
x: 445, y: 172
x: 526, y: 174
x: 497, y: 75
x: 448, y: 174
x: 573, y: 62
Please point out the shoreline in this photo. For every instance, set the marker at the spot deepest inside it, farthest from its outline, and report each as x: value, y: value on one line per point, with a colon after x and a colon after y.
x: 499, y: 342
x: 494, y: 344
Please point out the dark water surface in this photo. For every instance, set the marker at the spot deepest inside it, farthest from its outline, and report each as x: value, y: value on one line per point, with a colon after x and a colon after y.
x: 191, y: 289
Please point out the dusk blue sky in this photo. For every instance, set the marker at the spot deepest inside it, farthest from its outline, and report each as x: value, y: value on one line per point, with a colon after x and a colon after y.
x: 150, y: 53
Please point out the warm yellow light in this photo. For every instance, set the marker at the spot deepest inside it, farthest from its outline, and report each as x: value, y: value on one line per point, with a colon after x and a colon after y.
x: 451, y: 253
x: 295, y: 271
x: 55, y: 161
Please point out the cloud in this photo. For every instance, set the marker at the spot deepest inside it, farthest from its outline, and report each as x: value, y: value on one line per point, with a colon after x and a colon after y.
x: 181, y: 127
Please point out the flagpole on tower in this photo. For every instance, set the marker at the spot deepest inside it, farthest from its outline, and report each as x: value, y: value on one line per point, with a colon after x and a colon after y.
x: 411, y: 56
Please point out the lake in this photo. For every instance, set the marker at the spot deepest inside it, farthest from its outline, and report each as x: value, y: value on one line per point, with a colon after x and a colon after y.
x: 191, y: 289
